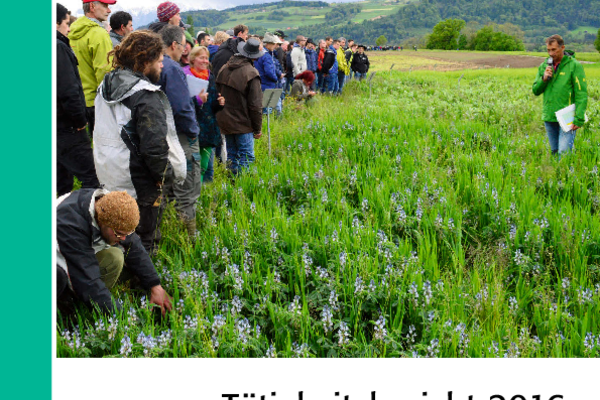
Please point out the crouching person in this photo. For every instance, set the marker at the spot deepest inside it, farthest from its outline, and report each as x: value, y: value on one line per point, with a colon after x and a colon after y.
x: 301, y: 89
x: 95, y: 231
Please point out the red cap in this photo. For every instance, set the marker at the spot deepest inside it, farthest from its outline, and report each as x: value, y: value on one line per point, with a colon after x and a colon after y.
x: 101, y: 1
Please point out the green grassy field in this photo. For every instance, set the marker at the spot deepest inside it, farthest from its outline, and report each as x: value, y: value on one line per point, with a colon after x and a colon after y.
x: 428, y: 220
x: 302, y: 16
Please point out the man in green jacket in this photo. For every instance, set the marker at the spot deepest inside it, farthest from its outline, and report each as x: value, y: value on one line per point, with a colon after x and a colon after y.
x: 91, y: 44
x: 562, y: 83
x: 343, y: 68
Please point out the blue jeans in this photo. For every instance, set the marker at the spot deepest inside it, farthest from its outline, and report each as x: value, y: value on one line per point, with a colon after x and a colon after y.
x: 240, y: 151
x: 341, y: 80
x: 359, y: 76
x: 560, y: 141
x: 330, y: 83
x: 320, y: 81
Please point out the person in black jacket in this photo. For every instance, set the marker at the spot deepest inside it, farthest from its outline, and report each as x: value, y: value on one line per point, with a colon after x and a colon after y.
x: 96, y: 242
x: 73, y: 149
x: 229, y: 48
x: 280, y: 51
x: 136, y: 147
x: 360, y: 63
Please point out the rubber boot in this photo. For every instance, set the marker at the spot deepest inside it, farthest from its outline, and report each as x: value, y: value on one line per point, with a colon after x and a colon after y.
x: 190, y: 225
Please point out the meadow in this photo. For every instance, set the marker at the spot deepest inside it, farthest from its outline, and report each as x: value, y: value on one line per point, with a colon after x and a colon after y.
x: 425, y: 220
x: 302, y: 16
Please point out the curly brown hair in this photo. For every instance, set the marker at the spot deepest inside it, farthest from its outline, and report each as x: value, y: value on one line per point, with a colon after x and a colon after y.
x: 137, y: 50
x: 118, y: 210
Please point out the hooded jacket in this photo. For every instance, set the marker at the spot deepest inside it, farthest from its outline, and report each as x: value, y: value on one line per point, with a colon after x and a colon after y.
x: 115, y: 38
x: 267, y: 71
x: 227, y: 49
x: 212, y: 50
x: 136, y: 139
x: 311, y: 59
x: 79, y: 239
x: 360, y: 63
x: 70, y: 104
x: 157, y: 26
x: 280, y: 55
x: 91, y: 44
x: 567, y: 86
x: 298, y: 59
x: 342, y: 62
x: 239, y: 83
x: 330, y: 64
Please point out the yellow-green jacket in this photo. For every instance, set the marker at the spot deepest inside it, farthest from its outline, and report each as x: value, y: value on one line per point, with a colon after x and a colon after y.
x: 91, y: 44
x: 567, y: 86
x: 342, y: 63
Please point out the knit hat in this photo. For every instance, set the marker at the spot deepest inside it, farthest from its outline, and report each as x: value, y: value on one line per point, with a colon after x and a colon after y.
x: 119, y: 211
x: 165, y: 11
x: 229, y: 32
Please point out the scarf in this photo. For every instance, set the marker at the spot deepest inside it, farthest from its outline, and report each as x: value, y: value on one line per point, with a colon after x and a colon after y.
x: 200, y: 74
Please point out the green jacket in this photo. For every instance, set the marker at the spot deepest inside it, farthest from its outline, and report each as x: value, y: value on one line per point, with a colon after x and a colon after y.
x: 91, y: 44
x: 567, y: 86
x: 342, y: 63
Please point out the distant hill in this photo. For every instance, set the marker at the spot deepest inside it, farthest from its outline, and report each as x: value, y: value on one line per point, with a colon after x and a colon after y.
x: 398, y: 20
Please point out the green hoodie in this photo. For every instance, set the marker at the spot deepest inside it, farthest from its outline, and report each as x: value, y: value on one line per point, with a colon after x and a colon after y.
x: 91, y: 44
x: 567, y: 86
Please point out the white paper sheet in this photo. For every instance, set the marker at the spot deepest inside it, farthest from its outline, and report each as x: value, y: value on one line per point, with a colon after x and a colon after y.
x: 566, y: 116
x: 196, y: 85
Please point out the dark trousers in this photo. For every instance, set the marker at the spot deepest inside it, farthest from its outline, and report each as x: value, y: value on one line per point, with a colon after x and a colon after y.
x: 320, y: 79
x: 288, y: 84
x: 74, y: 157
x: 149, y: 227
x: 341, y: 81
x: 61, y: 281
x: 90, y: 115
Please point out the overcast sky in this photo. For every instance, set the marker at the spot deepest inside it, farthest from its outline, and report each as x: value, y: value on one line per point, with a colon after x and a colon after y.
x: 74, y: 5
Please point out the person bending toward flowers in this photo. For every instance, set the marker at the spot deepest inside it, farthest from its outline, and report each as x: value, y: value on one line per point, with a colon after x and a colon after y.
x: 96, y: 242
x: 207, y: 106
x: 301, y: 89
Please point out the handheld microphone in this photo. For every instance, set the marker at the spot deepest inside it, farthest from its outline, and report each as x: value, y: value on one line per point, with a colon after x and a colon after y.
x: 550, y: 62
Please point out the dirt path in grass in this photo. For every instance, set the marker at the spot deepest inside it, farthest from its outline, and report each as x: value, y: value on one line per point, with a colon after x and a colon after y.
x: 448, y: 61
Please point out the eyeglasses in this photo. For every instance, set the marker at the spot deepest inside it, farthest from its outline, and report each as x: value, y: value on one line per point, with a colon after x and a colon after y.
x: 182, y: 45
x: 122, y: 236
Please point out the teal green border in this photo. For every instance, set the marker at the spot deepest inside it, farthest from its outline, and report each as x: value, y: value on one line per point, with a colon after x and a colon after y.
x: 26, y: 203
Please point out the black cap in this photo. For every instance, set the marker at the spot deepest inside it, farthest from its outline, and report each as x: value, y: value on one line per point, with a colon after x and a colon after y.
x: 309, y: 40
x: 280, y: 34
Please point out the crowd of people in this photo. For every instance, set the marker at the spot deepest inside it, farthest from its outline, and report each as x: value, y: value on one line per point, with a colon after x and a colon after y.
x: 131, y: 131
x: 136, y: 137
